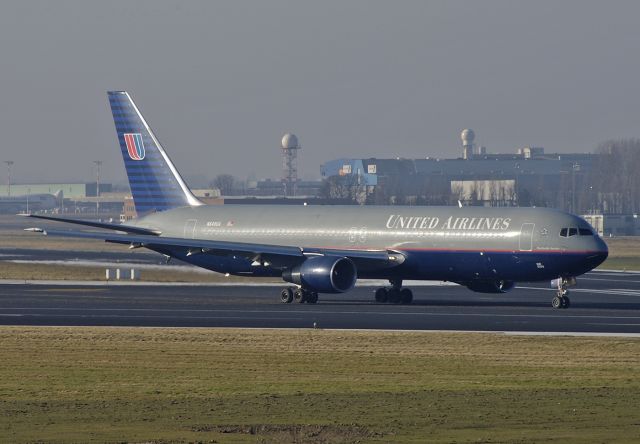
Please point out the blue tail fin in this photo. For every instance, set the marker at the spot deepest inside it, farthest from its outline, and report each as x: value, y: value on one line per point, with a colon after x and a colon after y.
x: 155, y: 183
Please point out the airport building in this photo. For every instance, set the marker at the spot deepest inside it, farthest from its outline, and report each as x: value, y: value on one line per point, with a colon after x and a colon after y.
x: 608, y: 225
x: 60, y: 198
x: 69, y: 190
x: 529, y: 177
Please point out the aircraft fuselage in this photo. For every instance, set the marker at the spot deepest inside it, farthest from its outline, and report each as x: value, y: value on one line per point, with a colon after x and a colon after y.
x: 437, y: 243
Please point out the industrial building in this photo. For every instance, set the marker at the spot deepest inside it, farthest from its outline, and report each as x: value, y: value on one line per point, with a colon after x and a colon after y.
x: 69, y: 190
x: 529, y: 177
x: 73, y: 198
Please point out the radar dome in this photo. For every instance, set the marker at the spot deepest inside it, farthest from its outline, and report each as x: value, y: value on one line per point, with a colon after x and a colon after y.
x: 290, y: 142
x: 467, y: 136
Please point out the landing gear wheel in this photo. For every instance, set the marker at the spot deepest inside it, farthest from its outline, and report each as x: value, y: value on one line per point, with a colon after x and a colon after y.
x: 300, y: 296
x: 286, y: 295
x: 557, y: 302
x: 566, y: 302
x: 312, y: 297
x: 394, y: 296
x: 381, y: 295
x: 406, y: 296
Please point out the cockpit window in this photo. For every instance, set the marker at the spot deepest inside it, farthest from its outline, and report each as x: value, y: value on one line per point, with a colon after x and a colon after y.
x: 573, y: 231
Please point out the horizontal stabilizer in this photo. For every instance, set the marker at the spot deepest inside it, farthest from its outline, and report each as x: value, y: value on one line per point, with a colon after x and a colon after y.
x: 88, y: 223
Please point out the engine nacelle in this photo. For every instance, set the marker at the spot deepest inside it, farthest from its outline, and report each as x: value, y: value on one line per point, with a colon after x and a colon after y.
x: 324, y: 274
x: 491, y: 286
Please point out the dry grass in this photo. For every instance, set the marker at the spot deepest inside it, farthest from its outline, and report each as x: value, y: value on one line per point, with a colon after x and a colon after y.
x: 29, y: 272
x: 187, y: 385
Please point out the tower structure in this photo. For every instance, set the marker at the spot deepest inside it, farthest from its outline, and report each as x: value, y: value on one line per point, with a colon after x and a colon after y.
x: 467, y: 136
x: 9, y: 165
x: 290, y: 147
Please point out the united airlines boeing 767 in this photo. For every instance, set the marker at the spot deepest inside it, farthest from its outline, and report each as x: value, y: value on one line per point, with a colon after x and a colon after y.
x: 325, y: 249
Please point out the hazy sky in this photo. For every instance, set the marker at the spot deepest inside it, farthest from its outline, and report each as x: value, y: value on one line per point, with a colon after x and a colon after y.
x: 220, y: 82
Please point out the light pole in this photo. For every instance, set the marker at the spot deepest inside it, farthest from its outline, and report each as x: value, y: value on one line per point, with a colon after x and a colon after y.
x: 98, y: 164
x: 574, y: 169
x: 9, y: 165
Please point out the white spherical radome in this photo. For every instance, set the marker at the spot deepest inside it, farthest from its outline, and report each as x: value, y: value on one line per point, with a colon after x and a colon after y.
x: 290, y: 142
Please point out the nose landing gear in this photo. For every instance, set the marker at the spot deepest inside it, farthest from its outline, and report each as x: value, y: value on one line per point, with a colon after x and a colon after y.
x: 561, y: 300
x: 394, y: 294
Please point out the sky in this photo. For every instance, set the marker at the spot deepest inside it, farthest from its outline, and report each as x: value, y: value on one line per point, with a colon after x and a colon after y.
x: 220, y: 82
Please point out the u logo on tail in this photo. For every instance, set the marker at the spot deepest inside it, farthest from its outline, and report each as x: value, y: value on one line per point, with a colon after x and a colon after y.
x: 135, y: 145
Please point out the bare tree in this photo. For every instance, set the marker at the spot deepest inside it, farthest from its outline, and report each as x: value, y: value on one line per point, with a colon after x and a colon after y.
x: 223, y: 182
x: 615, y: 176
x: 341, y: 188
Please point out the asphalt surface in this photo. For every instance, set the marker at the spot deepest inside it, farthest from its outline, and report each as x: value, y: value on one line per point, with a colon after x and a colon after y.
x: 603, y: 302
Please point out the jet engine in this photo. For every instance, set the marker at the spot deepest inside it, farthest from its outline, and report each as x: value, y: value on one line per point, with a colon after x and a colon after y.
x: 491, y: 286
x: 323, y: 274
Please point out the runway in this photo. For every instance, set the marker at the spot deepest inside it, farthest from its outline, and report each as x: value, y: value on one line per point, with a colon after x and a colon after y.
x: 603, y: 302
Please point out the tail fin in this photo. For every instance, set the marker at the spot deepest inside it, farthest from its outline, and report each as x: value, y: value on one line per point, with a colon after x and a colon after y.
x: 155, y: 183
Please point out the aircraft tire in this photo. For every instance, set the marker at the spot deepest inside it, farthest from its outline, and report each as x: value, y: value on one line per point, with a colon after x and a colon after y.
x: 312, y: 297
x: 556, y: 302
x: 300, y: 296
x: 566, y: 302
x: 286, y: 295
x: 406, y: 296
x: 381, y: 295
x: 394, y: 296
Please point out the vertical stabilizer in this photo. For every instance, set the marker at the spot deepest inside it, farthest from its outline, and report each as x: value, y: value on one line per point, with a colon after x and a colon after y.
x: 155, y: 183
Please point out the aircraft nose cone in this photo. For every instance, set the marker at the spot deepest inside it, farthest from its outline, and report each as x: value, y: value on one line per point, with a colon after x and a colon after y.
x: 602, y: 252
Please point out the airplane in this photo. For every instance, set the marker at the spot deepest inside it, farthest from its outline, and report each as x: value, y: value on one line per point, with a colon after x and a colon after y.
x: 30, y: 202
x: 325, y: 249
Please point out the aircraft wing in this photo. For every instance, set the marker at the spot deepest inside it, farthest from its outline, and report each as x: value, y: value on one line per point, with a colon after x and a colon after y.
x: 278, y: 255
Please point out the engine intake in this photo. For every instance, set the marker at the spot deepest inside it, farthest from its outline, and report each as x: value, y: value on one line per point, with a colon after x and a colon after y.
x: 324, y: 274
x: 491, y: 286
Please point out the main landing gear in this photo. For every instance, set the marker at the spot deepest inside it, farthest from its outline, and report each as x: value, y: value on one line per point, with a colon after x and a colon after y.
x: 299, y: 295
x: 561, y: 300
x: 394, y: 294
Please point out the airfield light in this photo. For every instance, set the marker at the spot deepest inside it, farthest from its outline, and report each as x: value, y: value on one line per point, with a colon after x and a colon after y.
x: 98, y: 164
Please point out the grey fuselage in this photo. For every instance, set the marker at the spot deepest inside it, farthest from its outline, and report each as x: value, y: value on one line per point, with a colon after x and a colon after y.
x: 439, y: 243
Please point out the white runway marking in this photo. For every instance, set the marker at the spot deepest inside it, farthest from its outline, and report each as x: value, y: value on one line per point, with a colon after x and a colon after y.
x: 609, y: 291
x: 319, y: 312
x: 608, y: 280
x: 61, y: 283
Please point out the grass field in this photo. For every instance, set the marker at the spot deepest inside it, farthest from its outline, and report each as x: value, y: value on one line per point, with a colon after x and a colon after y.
x: 237, y: 386
x: 28, y: 272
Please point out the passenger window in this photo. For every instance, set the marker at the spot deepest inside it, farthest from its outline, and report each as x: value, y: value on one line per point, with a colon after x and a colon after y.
x: 573, y: 231
x: 585, y: 232
x: 563, y: 232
